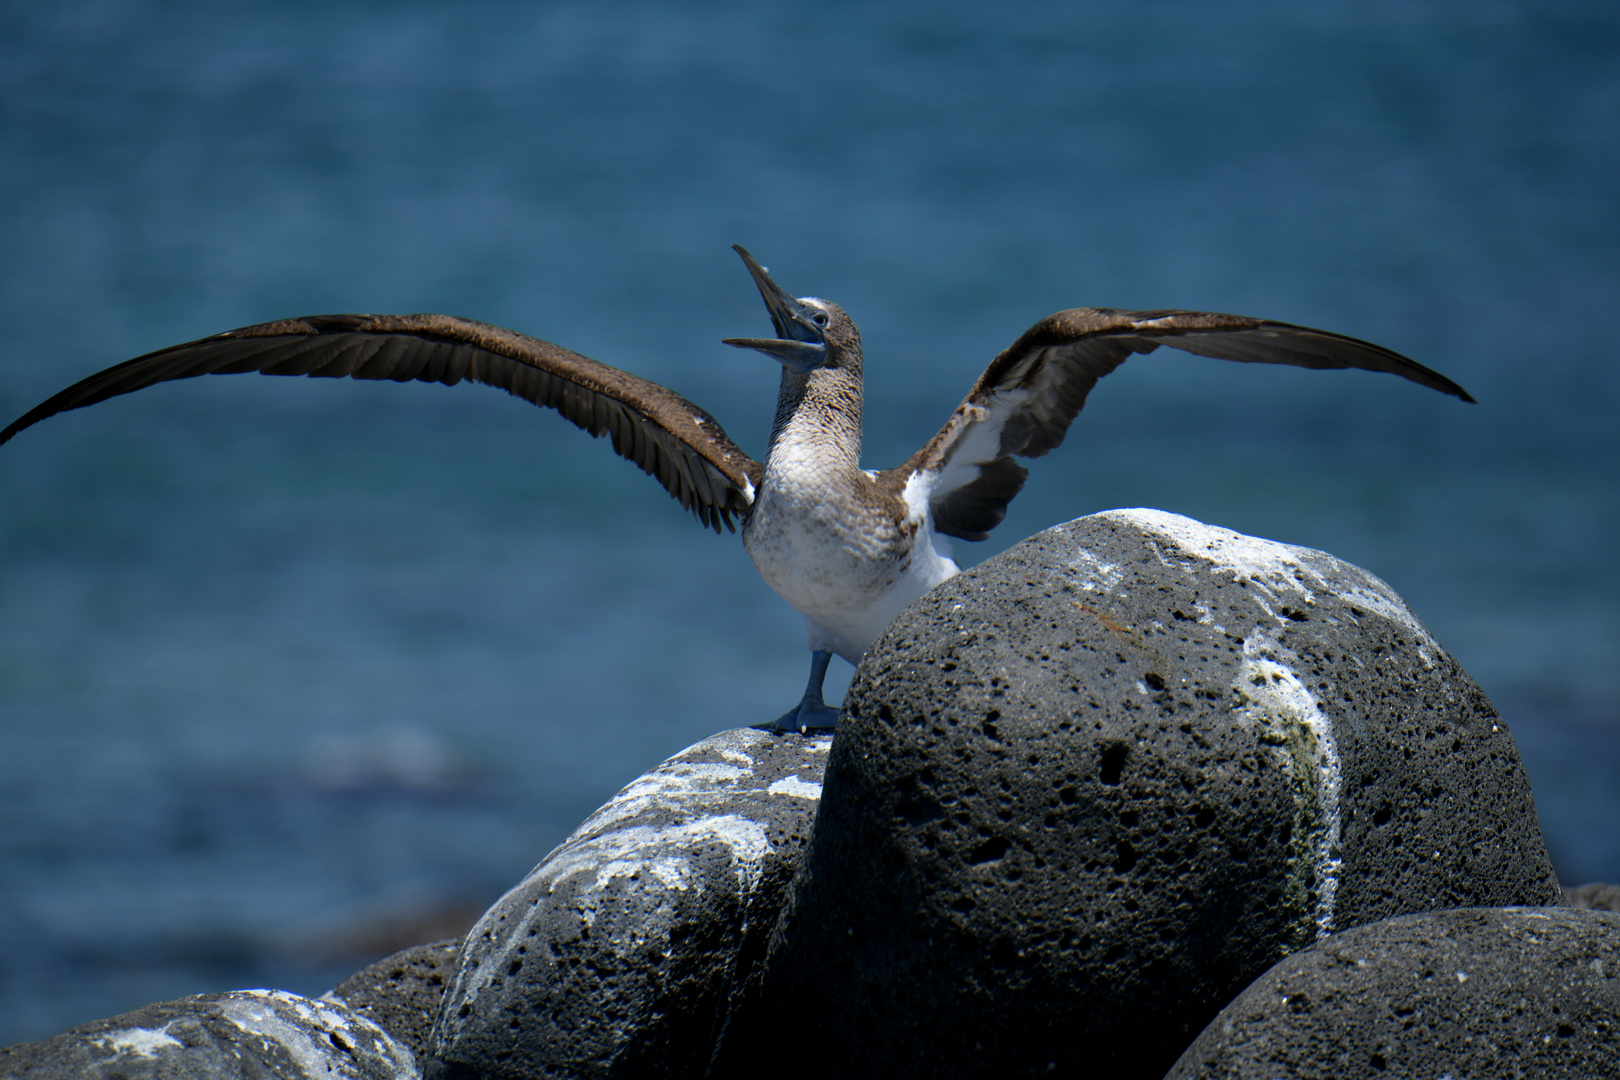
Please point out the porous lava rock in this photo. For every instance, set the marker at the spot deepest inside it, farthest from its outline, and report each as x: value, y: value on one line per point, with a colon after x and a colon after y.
x: 1498, y: 992
x: 1087, y: 791
x: 240, y: 1035
x: 401, y: 993
x: 616, y: 956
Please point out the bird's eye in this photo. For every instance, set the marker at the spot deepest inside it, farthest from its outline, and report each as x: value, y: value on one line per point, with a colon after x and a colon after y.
x: 821, y: 318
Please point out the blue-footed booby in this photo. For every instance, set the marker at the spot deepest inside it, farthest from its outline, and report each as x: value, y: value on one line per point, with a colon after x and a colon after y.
x: 847, y: 547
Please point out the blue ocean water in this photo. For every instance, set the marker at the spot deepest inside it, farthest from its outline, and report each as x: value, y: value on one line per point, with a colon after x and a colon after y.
x: 295, y: 672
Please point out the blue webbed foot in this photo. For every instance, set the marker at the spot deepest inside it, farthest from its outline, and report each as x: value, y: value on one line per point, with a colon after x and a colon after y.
x: 811, y: 713
x: 805, y: 718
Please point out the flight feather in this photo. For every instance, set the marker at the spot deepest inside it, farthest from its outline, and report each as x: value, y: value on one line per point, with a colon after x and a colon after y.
x: 670, y: 438
x: 1024, y: 402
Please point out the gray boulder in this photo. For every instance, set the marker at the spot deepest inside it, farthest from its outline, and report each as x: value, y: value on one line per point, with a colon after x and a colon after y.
x: 1087, y: 791
x: 241, y: 1035
x: 401, y: 993
x: 1514, y: 992
x: 617, y: 955
x: 1596, y: 896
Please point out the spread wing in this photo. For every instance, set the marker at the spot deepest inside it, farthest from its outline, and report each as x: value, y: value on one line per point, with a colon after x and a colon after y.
x: 1024, y: 402
x: 669, y: 437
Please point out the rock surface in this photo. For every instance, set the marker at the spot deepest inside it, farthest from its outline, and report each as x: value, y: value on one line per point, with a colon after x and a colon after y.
x: 401, y: 993
x: 1511, y: 992
x: 1087, y: 791
x: 617, y: 954
x: 1596, y: 896
x: 246, y: 1034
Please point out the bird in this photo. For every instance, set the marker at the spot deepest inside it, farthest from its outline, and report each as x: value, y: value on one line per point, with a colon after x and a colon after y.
x: 847, y: 547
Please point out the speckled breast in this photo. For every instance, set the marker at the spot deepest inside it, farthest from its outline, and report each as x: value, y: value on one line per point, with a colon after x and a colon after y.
x: 828, y: 549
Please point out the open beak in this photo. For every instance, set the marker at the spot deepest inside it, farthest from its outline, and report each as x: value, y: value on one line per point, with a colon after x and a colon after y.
x: 801, y: 345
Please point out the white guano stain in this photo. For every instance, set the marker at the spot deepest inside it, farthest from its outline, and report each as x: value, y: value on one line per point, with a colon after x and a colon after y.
x: 798, y: 789
x: 663, y: 852
x: 605, y: 848
x: 673, y: 786
x: 260, y: 1017
x: 1274, y: 568
x: 261, y: 1013
x: 1277, y: 576
x: 737, y: 757
x: 680, y: 784
x: 1099, y: 576
x: 1302, y: 735
x: 141, y: 1042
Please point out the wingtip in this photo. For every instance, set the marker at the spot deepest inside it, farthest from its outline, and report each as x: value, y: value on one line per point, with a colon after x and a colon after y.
x: 1446, y: 386
x: 17, y: 426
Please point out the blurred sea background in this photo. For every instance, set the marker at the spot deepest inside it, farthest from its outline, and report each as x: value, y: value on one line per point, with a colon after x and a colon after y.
x: 294, y: 673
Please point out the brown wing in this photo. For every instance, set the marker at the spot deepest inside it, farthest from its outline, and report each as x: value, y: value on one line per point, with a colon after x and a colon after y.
x: 1024, y: 402
x: 669, y: 437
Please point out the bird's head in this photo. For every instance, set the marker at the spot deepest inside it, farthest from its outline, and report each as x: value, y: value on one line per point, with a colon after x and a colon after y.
x: 812, y: 334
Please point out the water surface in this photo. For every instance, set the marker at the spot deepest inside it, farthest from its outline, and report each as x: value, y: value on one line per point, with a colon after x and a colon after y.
x: 285, y: 664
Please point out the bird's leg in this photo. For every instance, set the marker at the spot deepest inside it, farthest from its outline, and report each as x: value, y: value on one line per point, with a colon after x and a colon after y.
x: 811, y: 713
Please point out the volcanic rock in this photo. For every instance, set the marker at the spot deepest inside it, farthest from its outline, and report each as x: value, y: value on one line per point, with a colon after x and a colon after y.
x: 240, y: 1035
x: 401, y: 993
x: 618, y: 953
x: 1511, y: 992
x: 1087, y: 791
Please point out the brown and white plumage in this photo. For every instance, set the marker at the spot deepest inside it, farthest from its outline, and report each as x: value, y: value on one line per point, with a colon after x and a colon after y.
x: 1024, y: 402
x: 848, y: 548
x: 669, y: 437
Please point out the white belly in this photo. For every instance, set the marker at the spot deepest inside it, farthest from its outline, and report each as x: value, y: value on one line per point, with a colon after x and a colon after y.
x: 847, y: 566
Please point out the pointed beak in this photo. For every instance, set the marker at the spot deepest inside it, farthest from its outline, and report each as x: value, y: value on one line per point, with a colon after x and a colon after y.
x: 801, y: 345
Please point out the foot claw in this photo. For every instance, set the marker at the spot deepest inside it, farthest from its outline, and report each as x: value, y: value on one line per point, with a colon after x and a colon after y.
x: 824, y: 718
x: 804, y: 719
x: 812, y: 713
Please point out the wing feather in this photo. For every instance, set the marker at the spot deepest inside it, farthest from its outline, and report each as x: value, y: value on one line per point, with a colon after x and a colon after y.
x: 667, y: 436
x: 1024, y: 402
